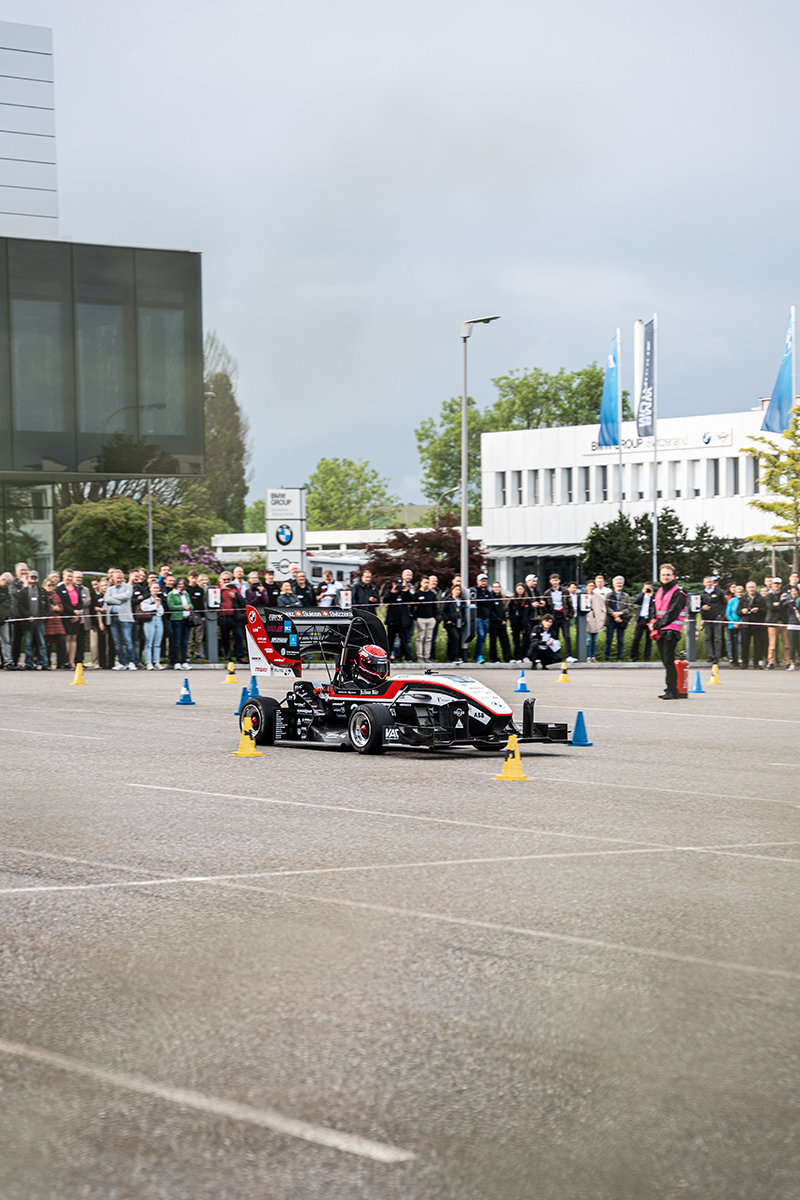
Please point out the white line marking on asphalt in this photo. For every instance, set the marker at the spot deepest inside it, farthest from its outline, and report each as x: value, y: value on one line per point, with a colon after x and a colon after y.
x: 267, y: 1118
x: 646, y: 787
x: 47, y: 733
x: 524, y: 931
x: 659, y: 712
x: 727, y: 851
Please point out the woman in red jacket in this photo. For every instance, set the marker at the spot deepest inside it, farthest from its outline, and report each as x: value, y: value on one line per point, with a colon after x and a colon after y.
x: 54, y: 626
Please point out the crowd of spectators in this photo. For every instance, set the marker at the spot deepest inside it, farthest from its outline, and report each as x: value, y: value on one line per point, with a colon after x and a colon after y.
x: 150, y: 620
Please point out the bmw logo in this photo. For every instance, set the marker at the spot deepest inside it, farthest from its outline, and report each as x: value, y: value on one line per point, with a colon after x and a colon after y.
x: 706, y: 440
x: 284, y: 534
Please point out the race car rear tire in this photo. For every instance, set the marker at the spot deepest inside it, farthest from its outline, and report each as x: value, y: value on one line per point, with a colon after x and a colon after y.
x: 261, y: 710
x: 365, y: 728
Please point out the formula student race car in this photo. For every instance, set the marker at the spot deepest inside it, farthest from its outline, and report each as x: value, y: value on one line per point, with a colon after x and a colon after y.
x: 361, y: 707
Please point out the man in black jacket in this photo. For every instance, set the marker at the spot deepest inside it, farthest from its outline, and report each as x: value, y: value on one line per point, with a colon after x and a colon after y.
x: 197, y: 632
x: 306, y: 596
x: 7, y: 611
x: 751, y: 614
x: 643, y: 607
x: 712, y: 609
x: 497, y: 623
x: 365, y: 594
x: 399, y: 599
x: 776, y: 615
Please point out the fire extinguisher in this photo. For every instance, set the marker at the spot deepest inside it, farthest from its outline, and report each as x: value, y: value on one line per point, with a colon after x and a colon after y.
x: 683, y: 676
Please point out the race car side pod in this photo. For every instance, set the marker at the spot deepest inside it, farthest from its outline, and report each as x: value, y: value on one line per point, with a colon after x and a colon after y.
x: 579, y: 737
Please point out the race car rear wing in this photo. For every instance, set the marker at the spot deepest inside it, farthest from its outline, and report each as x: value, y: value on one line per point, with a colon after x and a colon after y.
x: 278, y: 638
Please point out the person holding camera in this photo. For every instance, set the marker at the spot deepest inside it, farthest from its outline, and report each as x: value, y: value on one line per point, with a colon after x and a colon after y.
x: 399, y: 600
x: 643, y: 609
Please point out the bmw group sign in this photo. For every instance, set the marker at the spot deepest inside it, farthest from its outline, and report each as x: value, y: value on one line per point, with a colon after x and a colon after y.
x: 286, y: 530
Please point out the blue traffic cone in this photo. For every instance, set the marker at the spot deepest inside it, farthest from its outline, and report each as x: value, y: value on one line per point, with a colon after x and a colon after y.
x: 186, y: 695
x: 521, y: 684
x: 253, y: 686
x: 242, y: 701
x: 579, y: 737
x: 697, y: 686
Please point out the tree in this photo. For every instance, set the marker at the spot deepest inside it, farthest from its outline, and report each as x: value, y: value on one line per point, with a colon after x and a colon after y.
x: 343, y: 494
x: 440, y: 454
x: 96, y: 535
x: 780, y: 473
x: 525, y: 400
x: 430, y: 551
x: 255, y: 517
x: 227, y: 453
x: 624, y: 546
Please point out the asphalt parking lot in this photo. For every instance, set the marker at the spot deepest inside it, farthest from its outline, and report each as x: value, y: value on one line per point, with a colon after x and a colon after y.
x: 316, y: 974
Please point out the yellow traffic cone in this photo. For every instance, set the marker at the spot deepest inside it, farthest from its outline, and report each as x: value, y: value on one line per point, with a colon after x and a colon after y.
x: 512, y: 767
x: 563, y: 677
x: 715, y: 675
x: 78, y: 681
x: 231, y: 676
x: 247, y: 743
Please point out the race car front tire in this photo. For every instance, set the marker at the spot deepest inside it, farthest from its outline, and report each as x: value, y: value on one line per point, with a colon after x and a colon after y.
x: 365, y: 728
x: 261, y: 710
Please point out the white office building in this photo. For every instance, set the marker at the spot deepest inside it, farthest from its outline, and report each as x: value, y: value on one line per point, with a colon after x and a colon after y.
x: 28, y: 198
x: 543, y: 489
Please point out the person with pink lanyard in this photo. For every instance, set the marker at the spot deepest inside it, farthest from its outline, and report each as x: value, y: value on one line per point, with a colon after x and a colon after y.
x: 71, y: 600
x: 667, y: 626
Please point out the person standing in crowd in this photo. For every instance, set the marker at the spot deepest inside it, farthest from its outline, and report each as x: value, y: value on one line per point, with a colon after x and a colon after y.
x: 600, y: 585
x: 643, y: 606
x: 793, y: 625
x: 497, y: 623
x: 595, y: 620
x: 751, y: 614
x: 437, y: 593
x: 556, y: 604
x: 483, y: 599
x: 399, y: 601
x: 180, y: 609
x: 425, y: 610
x: 272, y: 588
x: 31, y: 604
x: 53, y: 626
x: 152, y: 610
x: 71, y: 605
x: 712, y: 610
x: 453, y: 617
x: 519, y: 618
x: 365, y: 594
x: 734, y: 624
x: 7, y: 610
x: 545, y: 648
x: 197, y: 624
x: 101, y: 651
x: 117, y: 608
x: 257, y: 595
x: 776, y: 616
x: 538, y: 605
x: 85, y: 622
x: 618, y: 610
x: 667, y: 624
x: 762, y: 636
x: 328, y: 591
x: 305, y: 596
x: 231, y: 605
x: 286, y: 597
x: 239, y: 581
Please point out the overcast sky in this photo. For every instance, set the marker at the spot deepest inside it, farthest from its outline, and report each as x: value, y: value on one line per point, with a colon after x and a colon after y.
x: 360, y: 176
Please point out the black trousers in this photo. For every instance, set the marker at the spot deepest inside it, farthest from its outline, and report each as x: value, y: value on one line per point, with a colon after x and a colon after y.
x: 495, y: 632
x: 544, y: 655
x: 640, y: 631
x: 454, y: 648
x: 751, y: 635
x: 519, y: 635
x: 667, y: 645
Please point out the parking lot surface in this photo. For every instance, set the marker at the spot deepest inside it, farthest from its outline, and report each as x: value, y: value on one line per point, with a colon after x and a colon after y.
x: 319, y: 974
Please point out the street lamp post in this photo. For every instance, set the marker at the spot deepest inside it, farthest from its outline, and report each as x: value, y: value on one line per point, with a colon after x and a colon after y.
x: 466, y: 331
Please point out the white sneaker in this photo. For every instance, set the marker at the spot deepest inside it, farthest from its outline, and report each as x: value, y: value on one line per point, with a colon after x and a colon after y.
x: 570, y: 659
x: 791, y: 667
x: 186, y: 667
x: 177, y: 667
x: 149, y: 667
x: 160, y: 667
x: 117, y: 667
x: 526, y: 662
x: 131, y: 666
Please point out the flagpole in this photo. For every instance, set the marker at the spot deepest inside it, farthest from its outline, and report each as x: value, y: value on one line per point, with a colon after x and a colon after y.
x: 619, y: 412
x: 794, y: 366
x: 655, y: 446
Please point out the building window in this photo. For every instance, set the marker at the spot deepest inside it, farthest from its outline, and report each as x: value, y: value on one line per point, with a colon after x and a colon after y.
x: 500, y: 478
x: 533, y: 487
x: 586, y: 490
x: 516, y: 495
x: 566, y: 485
x: 713, y: 477
x: 693, y: 477
x: 550, y: 497
x: 674, y: 490
x: 40, y: 509
x: 751, y: 468
x: 602, y: 483
x: 637, y: 488
x: 732, y: 480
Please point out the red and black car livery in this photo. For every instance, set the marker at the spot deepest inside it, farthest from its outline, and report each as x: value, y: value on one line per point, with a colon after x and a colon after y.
x: 425, y: 709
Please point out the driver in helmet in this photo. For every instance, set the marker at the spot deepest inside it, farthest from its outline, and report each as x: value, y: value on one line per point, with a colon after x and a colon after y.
x: 371, y: 666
